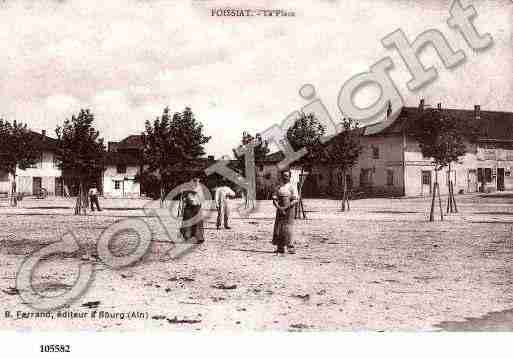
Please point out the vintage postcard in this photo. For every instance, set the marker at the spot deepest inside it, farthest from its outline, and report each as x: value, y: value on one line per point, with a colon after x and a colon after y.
x: 255, y: 166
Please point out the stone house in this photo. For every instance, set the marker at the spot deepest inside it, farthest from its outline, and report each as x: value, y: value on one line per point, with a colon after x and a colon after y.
x: 44, y: 174
x: 122, y: 165
x: 391, y: 163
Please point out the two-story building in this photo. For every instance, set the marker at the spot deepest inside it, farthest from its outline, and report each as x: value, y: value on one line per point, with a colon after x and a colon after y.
x: 392, y: 164
x: 122, y: 166
x: 44, y: 174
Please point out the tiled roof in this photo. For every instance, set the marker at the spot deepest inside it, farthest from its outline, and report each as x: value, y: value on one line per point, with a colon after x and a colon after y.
x: 492, y: 125
x: 131, y: 142
x: 43, y: 142
x: 120, y: 158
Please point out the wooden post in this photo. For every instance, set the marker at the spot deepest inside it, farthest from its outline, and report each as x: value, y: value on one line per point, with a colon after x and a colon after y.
x: 440, y: 202
x: 80, y: 204
x: 432, y: 211
x: 451, y: 201
x: 344, y: 193
x: 454, y: 198
x: 161, y: 194
x: 300, y: 209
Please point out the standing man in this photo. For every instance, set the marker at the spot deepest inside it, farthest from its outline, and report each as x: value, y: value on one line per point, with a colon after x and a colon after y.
x: 93, y: 198
x: 221, y: 199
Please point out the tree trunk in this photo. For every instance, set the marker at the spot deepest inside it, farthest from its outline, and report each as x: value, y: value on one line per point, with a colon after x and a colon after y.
x: 454, y: 198
x: 440, y: 202
x: 14, y: 192
x: 451, y: 200
x: 432, y: 211
x: 436, y: 191
x: 300, y: 209
x: 162, y: 194
x: 344, y: 193
x: 81, y: 202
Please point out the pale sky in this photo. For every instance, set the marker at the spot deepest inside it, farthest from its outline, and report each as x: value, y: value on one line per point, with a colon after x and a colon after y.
x: 127, y: 60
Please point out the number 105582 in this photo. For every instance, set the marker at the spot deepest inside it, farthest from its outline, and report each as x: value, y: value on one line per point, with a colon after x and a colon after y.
x: 55, y: 348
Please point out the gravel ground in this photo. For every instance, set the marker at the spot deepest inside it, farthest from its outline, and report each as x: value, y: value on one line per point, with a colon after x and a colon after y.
x: 381, y: 266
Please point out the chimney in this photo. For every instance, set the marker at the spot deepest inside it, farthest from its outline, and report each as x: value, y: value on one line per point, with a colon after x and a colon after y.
x: 43, y: 132
x: 421, y: 105
x: 477, y: 112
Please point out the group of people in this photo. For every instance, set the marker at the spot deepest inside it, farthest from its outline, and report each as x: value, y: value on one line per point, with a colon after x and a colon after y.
x: 192, y: 219
x: 285, y: 197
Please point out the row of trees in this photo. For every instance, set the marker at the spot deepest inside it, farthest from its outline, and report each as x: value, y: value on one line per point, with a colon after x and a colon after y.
x: 441, y: 137
x: 177, y: 139
x: 80, y: 151
x: 340, y: 152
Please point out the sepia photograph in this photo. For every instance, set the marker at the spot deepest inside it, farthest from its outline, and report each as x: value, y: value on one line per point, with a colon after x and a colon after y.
x: 248, y: 167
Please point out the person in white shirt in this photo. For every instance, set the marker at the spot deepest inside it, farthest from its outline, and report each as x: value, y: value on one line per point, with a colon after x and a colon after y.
x: 93, y: 198
x: 221, y: 199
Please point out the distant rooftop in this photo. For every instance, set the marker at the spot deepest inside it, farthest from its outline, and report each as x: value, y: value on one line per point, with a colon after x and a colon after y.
x: 492, y: 125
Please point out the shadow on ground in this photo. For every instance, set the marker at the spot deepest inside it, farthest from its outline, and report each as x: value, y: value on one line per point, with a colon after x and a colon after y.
x: 492, y: 322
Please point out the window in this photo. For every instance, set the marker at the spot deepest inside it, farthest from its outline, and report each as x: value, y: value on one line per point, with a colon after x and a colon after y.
x: 488, y: 175
x: 117, y: 184
x: 366, y: 177
x: 121, y: 168
x: 375, y: 152
x: 426, y: 178
x: 390, y: 177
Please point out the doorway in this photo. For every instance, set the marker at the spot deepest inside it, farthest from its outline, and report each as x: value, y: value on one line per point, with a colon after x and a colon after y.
x: 500, y: 179
x: 59, y: 186
x: 425, y: 186
x: 36, y: 185
x: 472, y: 181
